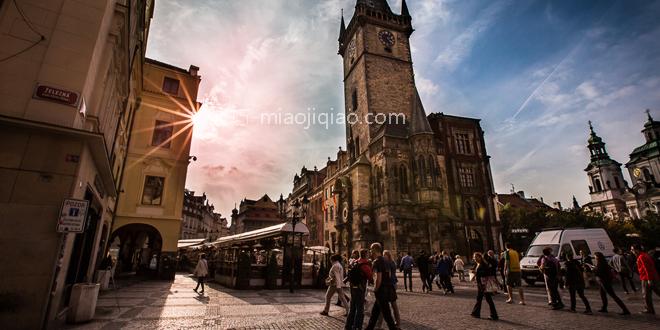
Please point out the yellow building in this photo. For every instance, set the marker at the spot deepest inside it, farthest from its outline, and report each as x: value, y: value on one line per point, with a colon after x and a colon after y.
x: 70, y: 79
x: 148, y: 220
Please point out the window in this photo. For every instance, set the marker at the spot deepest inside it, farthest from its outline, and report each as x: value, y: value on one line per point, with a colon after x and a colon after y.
x: 466, y: 177
x: 403, y: 174
x: 162, y: 134
x: 171, y: 86
x: 383, y: 226
x: 357, y: 147
x: 354, y: 100
x: 597, y: 186
x: 463, y: 143
x: 581, y: 245
x: 153, y: 190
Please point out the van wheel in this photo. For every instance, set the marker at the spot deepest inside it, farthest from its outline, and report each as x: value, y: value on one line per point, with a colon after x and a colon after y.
x: 530, y: 282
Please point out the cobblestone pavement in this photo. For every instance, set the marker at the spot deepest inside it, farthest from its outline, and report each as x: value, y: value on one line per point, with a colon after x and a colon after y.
x: 165, y: 305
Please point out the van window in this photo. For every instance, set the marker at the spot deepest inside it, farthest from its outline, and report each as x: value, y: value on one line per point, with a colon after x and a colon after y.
x: 579, y: 245
x: 566, y: 250
x: 537, y: 250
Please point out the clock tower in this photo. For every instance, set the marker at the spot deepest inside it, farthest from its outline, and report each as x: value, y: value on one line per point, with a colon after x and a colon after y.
x: 378, y: 72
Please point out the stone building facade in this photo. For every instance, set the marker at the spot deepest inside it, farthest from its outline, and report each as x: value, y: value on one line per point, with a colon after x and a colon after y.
x: 200, y: 219
x: 255, y: 214
x: 412, y: 182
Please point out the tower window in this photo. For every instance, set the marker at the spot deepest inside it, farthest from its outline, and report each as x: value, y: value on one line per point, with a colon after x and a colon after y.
x: 354, y: 100
x: 463, y: 143
x: 598, y: 187
x: 466, y: 177
x: 162, y: 134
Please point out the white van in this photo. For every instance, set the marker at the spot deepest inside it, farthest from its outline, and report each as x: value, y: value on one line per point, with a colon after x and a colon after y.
x: 563, y: 240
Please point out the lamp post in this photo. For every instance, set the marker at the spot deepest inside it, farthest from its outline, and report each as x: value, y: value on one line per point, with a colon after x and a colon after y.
x: 297, y: 208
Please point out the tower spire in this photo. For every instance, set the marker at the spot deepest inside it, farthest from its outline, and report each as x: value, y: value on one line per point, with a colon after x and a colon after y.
x: 342, y: 27
x: 404, y: 9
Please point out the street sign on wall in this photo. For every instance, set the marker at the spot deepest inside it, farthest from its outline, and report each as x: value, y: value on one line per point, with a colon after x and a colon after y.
x: 72, y: 216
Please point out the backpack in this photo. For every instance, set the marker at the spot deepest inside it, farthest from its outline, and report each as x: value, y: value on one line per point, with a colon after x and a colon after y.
x: 355, y: 274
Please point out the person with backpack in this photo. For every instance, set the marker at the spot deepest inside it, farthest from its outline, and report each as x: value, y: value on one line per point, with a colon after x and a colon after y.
x: 359, y: 274
x: 550, y: 269
x: 335, y: 283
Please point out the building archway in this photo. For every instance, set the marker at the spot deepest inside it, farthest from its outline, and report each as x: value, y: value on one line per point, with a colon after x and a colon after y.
x: 137, y: 247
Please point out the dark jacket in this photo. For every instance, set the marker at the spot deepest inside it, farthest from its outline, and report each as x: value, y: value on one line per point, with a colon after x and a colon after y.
x: 492, y: 265
x: 574, y: 274
x: 444, y: 266
x: 423, y: 263
x: 603, y: 271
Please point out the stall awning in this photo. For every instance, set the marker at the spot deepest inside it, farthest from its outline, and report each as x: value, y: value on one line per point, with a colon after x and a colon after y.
x: 185, y: 243
x: 276, y: 230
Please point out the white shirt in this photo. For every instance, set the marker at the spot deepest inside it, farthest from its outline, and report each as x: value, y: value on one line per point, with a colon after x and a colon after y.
x: 458, y: 264
x: 337, y: 272
x: 202, y: 269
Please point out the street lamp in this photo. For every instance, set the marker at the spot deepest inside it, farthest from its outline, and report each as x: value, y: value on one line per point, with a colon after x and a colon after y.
x: 297, y: 209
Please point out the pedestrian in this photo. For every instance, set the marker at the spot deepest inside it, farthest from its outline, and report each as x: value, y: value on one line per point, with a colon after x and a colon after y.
x: 406, y: 267
x: 648, y: 274
x: 433, y: 263
x: 588, y: 266
x: 619, y: 264
x: 501, y: 270
x: 423, y: 267
x: 603, y: 273
x: 395, y: 308
x: 575, y: 281
x: 359, y: 275
x: 491, y: 259
x: 459, y: 267
x: 443, y: 269
x: 335, y: 283
x: 512, y: 274
x: 383, y: 289
x: 201, y: 271
x: 550, y: 269
x: 486, y: 286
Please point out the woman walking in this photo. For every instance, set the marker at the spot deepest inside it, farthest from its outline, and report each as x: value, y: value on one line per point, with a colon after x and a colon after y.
x: 387, y: 255
x: 201, y: 271
x: 335, y: 284
x: 575, y: 282
x: 603, y: 272
x: 486, y: 284
x: 459, y: 267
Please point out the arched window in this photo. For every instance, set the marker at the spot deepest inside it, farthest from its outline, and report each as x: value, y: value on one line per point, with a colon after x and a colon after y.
x: 617, y: 183
x: 422, y: 173
x: 433, y: 171
x: 597, y: 186
x: 354, y: 100
x: 395, y: 172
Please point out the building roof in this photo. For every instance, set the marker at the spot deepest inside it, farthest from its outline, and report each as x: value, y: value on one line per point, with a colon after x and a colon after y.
x: 419, y: 123
x: 515, y: 201
x: 271, y: 231
x: 648, y: 150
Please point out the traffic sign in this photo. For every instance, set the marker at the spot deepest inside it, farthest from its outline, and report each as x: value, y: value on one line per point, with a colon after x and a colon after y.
x: 72, y: 216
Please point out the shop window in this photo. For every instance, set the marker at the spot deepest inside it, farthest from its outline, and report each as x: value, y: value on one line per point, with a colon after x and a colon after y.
x: 162, y: 134
x: 171, y: 85
x: 152, y: 194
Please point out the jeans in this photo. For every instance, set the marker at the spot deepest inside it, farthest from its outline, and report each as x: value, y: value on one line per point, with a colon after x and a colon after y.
x: 606, y: 289
x: 445, y: 280
x: 424, y: 276
x: 553, y: 290
x: 481, y: 293
x: 356, y: 312
x: 200, y: 280
x: 328, y: 296
x: 648, y: 288
x: 627, y: 277
x: 407, y: 275
x: 382, y: 304
x: 580, y: 292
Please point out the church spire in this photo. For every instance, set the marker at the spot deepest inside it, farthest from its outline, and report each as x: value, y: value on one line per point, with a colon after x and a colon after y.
x: 576, y: 206
x: 404, y: 9
x: 596, y: 145
x: 342, y: 27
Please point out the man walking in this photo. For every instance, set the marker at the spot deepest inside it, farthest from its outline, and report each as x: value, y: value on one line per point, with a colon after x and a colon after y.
x: 443, y: 269
x: 423, y: 267
x: 406, y: 267
x: 201, y: 271
x: 512, y: 274
x: 335, y: 284
x: 383, y: 289
x: 620, y: 265
x: 648, y: 275
x: 358, y: 276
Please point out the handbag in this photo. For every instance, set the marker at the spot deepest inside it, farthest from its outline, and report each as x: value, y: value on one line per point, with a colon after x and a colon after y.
x: 490, y: 284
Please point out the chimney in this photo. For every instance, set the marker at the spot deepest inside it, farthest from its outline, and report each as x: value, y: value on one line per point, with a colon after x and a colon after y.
x: 521, y: 194
x: 193, y: 70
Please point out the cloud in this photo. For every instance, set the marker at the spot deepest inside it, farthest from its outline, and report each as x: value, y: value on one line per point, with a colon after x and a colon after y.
x: 461, y: 46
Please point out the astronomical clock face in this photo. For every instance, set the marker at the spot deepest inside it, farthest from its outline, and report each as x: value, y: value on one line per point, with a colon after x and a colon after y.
x: 351, y: 49
x: 637, y: 172
x: 386, y: 38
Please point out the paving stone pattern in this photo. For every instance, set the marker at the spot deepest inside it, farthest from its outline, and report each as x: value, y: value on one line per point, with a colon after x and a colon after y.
x: 174, y: 305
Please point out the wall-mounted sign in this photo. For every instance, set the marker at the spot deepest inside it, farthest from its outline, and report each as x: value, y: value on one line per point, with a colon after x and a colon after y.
x: 72, y: 216
x: 56, y: 94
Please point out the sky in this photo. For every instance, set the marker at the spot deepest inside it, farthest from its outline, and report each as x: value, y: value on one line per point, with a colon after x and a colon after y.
x: 535, y: 72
